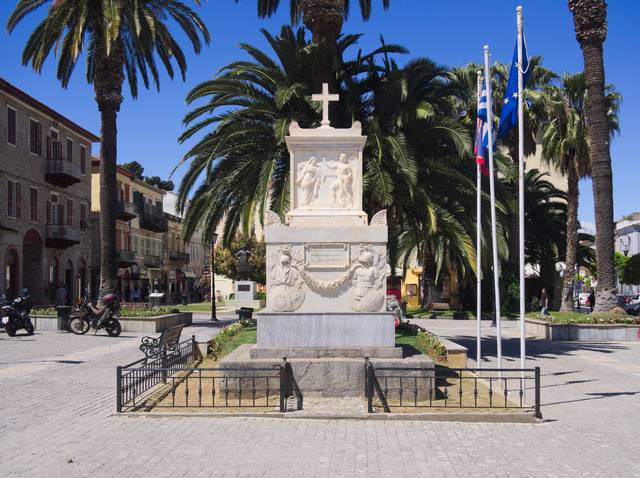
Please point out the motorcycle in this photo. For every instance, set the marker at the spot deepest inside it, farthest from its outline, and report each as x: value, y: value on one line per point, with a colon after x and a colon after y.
x: 16, y: 315
x: 90, y: 317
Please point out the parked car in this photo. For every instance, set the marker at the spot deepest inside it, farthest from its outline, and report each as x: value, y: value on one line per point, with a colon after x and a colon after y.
x: 633, y: 308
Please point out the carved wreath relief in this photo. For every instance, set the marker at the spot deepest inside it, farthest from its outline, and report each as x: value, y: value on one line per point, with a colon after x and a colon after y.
x: 365, y: 277
x: 326, y: 182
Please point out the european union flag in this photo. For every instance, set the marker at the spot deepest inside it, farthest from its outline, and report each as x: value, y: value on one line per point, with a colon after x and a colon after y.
x: 509, y: 113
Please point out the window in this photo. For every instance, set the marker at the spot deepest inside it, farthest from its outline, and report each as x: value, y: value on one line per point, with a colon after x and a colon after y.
x: 83, y: 216
x: 54, y: 210
x: 14, y: 199
x: 70, y: 150
x: 69, y: 212
x: 83, y: 159
x: 11, y: 125
x: 33, y: 204
x: 35, y: 137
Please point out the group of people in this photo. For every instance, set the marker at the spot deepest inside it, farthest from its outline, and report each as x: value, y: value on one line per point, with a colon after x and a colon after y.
x: 545, y: 302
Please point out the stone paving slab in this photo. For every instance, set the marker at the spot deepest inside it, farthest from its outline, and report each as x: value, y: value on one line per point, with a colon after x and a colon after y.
x: 57, y: 419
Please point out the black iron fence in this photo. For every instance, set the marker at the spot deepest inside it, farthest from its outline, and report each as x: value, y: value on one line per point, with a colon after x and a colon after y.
x: 441, y: 387
x: 170, y: 382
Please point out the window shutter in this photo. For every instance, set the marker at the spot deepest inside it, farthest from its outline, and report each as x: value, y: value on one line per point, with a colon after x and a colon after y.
x: 18, y: 200
x: 48, y: 212
x: 10, y: 198
x: 11, y: 126
x: 60, y: 214
x: 39, y: 138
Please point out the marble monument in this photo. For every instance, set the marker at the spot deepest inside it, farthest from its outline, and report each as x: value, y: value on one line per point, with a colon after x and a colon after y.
x: 326, y: 269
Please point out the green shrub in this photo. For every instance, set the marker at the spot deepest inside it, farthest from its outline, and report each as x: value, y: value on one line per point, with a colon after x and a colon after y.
x: 216, y: 344
x: 432, y: 345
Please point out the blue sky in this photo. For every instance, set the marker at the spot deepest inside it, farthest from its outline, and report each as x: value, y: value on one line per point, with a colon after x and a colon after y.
x: 450, y: 33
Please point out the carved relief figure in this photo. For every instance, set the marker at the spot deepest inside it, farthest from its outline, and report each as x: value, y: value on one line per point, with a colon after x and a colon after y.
x: 309, y: 181
x: 286, y: 284
x: 342, y: 187
x: 368, y: 277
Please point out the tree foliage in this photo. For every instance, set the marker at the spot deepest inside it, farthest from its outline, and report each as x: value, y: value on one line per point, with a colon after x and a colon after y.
x: 137, y: 170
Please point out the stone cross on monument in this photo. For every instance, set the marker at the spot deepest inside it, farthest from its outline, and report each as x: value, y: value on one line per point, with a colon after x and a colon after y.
x: 325, y: 98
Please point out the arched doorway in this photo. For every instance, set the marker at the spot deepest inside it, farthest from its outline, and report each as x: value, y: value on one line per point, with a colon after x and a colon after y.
x: 32, y: 245
x: 81, y: 283
x: 68, y: 281
x: 11, y: 270
x: 53, y: 279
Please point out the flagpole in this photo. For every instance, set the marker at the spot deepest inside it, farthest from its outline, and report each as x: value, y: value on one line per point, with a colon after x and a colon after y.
x: 478, y: 244
x: 521, y: 189
x: 496, y: 271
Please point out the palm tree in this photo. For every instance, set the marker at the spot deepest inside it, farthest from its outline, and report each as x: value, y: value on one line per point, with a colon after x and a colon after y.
x: 324, y: 19
x: 545, y: 220
x: 566, y: 148
x: 121, y: 39
x: 590, y: 22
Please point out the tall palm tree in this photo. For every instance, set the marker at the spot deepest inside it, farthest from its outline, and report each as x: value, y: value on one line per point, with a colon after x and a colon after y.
x: 324, y: 19
x: 590, y: 22
x: 566, y: 148
x: 121, y: 39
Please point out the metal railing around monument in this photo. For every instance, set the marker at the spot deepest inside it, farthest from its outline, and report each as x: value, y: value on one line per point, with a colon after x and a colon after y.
x: 441, y: 387
x: 169, y: 382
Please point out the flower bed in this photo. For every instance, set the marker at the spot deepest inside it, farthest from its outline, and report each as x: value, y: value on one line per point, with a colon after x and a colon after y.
x: 230, y: 338
x: 124, y: 311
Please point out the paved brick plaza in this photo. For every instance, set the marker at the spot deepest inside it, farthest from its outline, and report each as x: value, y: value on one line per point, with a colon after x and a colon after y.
x: 57, y: 402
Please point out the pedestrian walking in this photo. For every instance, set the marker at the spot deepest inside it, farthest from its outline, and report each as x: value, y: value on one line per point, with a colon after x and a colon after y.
x: 544, y: 303
x: 592, y: 299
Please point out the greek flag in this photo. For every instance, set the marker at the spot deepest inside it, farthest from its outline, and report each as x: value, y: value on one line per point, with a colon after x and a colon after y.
x: 482, y: 132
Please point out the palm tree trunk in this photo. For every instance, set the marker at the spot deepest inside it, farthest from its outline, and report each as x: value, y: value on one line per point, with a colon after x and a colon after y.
x: 108, y: 79
x: 573, y: 198
x: 590, y: 18
x: 324, y: 18
x: 430, y: 291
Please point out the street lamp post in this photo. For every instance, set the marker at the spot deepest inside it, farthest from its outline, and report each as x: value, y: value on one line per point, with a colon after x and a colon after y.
x: 212, y: 275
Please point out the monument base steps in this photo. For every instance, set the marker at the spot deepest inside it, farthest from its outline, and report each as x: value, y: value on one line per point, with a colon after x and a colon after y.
x: 324, y: 376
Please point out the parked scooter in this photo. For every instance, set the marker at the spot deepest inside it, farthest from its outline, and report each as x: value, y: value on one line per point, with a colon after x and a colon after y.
x: 90, y: 317
x: 16, y: 315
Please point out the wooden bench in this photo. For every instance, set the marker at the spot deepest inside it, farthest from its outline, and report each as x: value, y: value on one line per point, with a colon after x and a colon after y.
x: 167, y: 342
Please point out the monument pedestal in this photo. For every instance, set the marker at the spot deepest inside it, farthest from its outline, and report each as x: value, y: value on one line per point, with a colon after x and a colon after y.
x: 339, y: 376
x: 245, y: 295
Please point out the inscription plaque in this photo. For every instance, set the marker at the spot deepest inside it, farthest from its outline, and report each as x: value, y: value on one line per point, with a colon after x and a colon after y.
x: 326, y: 256
x: 244, y: 288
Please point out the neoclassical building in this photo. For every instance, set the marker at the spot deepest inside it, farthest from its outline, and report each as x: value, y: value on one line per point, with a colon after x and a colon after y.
x: 45, y: 198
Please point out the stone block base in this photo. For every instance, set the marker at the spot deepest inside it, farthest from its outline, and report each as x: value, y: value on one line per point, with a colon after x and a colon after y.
x: 326, y: 352
x: 326, y: 377
x: 328, y: 330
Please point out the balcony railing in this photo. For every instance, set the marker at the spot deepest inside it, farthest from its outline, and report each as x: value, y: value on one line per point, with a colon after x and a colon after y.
x: 125, y: 210
x: 152, y: 261
x: 152, y: 221
x: 181, y: 257
x: 126, y: 257
x: 61, y: 236
x: 58, y: 171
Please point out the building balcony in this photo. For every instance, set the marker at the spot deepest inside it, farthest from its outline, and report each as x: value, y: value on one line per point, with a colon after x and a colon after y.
x: 153, y: 262
x: 61, y: 236
x: 179, y: 257
x: 61, y: 172
x: 125, y: 211
x: 152, y: 222
x: 125, y: 258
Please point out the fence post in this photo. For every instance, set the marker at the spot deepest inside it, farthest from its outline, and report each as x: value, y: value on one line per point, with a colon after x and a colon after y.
x: 537, y: 412
x: 119, y: 389
x: 283, y: 384
x: 195, y: 352
x: 163, y: 363
x: 367, y: 385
